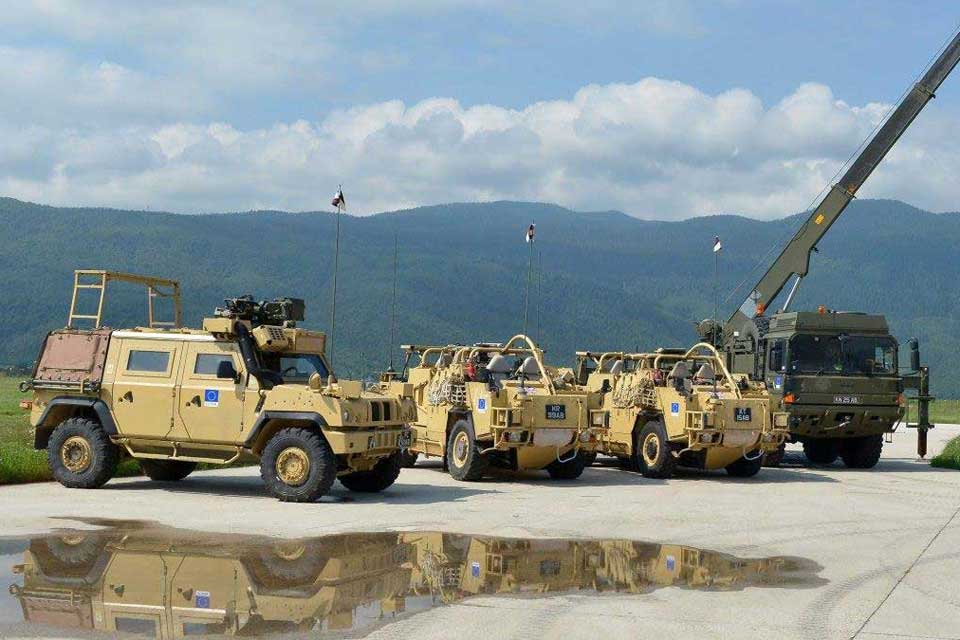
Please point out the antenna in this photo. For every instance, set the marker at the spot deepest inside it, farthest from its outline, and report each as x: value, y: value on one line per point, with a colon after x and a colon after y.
x: 339, y: 202
x: 526, y: 295
x: 539, y: 289
x: 393, y: 311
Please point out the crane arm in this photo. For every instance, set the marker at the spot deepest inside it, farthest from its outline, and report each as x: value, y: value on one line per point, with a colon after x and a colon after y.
x: 794, y: 260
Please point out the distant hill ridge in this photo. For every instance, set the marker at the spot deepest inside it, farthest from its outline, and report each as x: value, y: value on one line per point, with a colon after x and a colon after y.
x: 609, y: 280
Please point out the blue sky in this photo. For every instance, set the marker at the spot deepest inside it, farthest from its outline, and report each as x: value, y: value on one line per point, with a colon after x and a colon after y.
x: 660, y: 109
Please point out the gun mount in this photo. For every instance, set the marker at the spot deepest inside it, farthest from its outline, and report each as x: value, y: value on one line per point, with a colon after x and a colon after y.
x: 278, y: 312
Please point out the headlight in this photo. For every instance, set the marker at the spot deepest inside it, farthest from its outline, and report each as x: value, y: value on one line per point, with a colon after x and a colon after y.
x: 345, y: 415
x: 585, y: 436
x: 780, y: 419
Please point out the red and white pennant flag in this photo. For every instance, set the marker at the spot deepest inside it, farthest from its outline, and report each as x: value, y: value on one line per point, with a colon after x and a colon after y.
x: 531, y: 230
x: 716, y: 244
x: 338, y: 200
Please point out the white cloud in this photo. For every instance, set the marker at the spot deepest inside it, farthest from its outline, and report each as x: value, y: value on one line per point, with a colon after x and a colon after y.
x: 655, y: 148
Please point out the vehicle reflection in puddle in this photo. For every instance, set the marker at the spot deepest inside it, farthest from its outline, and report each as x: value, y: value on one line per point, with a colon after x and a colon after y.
x: 145, y: 579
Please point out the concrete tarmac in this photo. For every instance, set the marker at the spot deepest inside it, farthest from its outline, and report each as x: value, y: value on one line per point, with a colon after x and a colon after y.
x: 887, y: 541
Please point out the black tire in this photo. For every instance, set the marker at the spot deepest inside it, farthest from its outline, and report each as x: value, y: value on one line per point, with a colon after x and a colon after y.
x: 744, y: 467
x: 289, y: 447
x: 822, y: 451
x: 464, y: 460
x: 569, y: 470
x: 861, y: 453
x: 81, y: 455
x: 652, y: 454
x: 167, y: 470
x: 383, y: 474
x: 408, y: 459
x: 775, y: 458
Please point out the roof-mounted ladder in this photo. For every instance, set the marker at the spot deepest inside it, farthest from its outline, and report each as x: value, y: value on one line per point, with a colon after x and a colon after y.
x: 98, y: 279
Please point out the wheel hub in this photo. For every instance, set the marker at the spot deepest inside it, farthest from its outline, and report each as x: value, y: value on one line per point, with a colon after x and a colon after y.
x: 293, y: 466
x: 461, y: 447
x: 76, y: 454
x: 651, y: 449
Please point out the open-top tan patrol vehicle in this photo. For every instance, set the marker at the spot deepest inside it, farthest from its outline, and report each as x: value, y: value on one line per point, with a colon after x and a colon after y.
x: 498, y: 405
x: 676, y: 406
x: 249, y: 385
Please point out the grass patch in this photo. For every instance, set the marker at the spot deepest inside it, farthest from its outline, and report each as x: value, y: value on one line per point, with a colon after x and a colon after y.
x: 949, y: 458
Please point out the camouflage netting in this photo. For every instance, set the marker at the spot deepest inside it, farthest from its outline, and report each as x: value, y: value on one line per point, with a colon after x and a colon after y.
x: 448, y: 389
x: 633, y: 391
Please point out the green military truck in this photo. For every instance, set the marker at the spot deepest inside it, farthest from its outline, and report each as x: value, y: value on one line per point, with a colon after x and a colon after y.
x: 835, y: 373
x: 248, y: 386
x: 838, y: 376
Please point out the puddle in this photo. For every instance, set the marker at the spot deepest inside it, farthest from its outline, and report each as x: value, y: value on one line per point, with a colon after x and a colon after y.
x: 148, y: 580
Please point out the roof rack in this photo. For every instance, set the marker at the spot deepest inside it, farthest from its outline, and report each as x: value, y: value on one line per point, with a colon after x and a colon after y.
x: 97, y: 279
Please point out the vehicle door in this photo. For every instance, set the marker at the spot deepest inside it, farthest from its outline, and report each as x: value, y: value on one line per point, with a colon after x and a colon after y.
x: 211, y: 396
x: 133, y: 593
x: 143, y: 388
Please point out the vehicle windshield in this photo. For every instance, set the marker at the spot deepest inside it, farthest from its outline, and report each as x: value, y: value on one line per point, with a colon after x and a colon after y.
x: 843, y: 355
x: 296, y: 367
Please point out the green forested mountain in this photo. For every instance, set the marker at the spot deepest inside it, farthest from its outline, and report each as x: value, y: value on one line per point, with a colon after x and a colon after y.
x: 608, y: 280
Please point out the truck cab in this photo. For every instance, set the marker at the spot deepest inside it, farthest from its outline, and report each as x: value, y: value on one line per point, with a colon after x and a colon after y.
x: 837, y: 374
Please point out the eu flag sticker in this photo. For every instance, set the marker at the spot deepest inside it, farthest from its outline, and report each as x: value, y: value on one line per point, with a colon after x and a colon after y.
x: 674, y: 408
x: 203, y: 600
x: 671, y: 563
x: 211, y: 397
x: 481, y: 405
x: 475, y: 569
x: 778, y: 382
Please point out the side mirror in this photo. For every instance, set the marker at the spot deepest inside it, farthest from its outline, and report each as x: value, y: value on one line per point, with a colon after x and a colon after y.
x: 226, y: 371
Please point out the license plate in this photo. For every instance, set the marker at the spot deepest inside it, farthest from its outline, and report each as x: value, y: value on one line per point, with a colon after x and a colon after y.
x: 846, y: 400
x: 404, y: 439
x: 556, y: 412
x: 742, y: 414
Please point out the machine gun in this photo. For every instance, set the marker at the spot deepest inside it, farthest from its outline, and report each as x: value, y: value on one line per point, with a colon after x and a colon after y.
x: 278, y: 312
x: 745, y: 333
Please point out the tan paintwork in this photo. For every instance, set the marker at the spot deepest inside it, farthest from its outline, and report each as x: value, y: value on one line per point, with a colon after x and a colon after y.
x: 700, y: 417
x: 508, y: 416
x: 163, y: 413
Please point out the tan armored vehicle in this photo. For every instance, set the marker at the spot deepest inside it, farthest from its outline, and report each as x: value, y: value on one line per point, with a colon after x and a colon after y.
x: 681, y: 407
x: 249, y: 385
x: 498, y: 405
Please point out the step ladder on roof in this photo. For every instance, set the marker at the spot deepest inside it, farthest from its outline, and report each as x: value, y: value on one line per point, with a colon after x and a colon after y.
x: 97, y: 279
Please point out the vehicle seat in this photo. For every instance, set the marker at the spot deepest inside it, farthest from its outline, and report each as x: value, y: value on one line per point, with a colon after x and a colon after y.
x: 679, y: 377
x: 499, y: 368
x: 529, y: 369
x: 705, y: 374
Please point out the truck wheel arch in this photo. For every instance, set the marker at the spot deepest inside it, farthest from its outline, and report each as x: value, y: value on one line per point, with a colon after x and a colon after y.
x: 452, y: 418
x: 270, y: 422
x: 63, y: 407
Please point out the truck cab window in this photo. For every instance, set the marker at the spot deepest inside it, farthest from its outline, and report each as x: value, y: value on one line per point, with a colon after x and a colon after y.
x: 775, y: 355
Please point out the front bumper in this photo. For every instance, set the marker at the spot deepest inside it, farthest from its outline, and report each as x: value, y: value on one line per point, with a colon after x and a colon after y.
x: 839, y: 421
x: 703, y: 433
